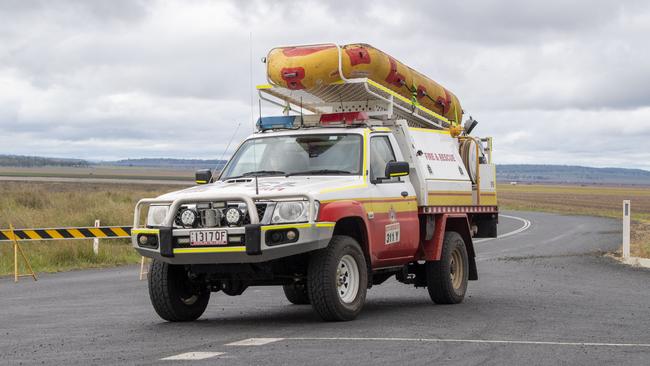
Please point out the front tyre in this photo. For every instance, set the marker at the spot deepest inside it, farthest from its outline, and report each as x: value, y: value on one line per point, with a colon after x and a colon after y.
x: 174, y: 297
x: 296, y: 293
x: 337, y: 280
x: 447, y: 278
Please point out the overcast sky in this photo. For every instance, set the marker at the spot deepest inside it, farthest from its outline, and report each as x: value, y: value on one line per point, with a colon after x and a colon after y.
x: 555, y: 82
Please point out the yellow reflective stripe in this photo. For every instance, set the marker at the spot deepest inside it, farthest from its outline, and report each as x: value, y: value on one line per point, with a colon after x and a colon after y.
x: 289, y: 226
x: 201, y: 181
x: 381, y: 129
x: 407, y: 206
x: 209, y: 250
x: 98, y: 233
x: 366, y: 147
x: 264, y: 86
x: 343, y: 188
x: 138, y: 231
x: 394, y: 199
x: 451, y: 199
x: 444, y: 132
x: 488, y: 198
x: 10, y: 235
x: 398, y: 174
x: 297, y: 226
x: 32, y: 234
x: 76, y: 233
x: 54, y: 234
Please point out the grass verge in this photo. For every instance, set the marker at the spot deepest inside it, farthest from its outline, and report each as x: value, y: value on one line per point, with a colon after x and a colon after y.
x: 48, y: 204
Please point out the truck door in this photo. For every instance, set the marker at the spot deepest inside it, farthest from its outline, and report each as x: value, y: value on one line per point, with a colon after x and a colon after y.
x: 392, y: 212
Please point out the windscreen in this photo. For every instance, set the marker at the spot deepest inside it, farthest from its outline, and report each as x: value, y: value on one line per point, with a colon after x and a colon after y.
x: 321, y: 154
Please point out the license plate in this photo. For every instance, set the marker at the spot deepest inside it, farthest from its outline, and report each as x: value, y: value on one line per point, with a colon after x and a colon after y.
x: 209, y: 237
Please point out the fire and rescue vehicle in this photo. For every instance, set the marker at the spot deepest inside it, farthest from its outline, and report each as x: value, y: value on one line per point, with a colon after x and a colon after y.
x: 368, y: 174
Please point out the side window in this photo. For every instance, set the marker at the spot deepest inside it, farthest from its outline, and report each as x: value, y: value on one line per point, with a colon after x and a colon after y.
x: 380, y: 154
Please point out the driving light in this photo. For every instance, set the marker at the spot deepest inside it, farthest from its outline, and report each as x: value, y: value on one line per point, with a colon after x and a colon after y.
x: 188, y: 217
x: 291, y: 235
x: 143, y: 240
x: 234, y: 216
x: 156, y: 215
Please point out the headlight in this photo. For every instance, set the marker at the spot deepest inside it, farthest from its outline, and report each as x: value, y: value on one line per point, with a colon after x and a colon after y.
x: 293, y: 211
x: 156, y: 215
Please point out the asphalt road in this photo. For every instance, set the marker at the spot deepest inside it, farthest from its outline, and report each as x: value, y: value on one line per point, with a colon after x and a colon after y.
x: 545, y: 296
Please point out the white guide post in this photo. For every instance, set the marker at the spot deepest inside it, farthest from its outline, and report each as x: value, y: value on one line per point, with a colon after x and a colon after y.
x: 626, y: 229
x: 96, y: 240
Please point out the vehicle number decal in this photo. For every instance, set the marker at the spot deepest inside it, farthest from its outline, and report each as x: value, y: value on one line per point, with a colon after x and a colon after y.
x: 392, y: 233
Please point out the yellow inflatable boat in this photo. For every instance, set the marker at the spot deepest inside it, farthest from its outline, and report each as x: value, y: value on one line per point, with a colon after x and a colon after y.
x: 306, y: 67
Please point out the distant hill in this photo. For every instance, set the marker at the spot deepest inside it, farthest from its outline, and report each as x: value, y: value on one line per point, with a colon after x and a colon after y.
x: 39, y: 161
x: 168, y: 163
x: 521, y: 173
x: 571, y: 174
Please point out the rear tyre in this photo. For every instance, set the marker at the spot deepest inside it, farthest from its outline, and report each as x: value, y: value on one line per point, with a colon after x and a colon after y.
x: 337, y: 280
x: 174, y: 297
x: 296, y: 293
x: 447, y: 278
x: 487, y: 228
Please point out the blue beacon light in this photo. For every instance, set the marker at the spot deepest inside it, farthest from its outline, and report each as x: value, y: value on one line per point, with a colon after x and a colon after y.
x: 275, y: 122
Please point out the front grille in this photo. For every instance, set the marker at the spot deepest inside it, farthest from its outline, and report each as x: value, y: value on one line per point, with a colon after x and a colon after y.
x: 261, y: 210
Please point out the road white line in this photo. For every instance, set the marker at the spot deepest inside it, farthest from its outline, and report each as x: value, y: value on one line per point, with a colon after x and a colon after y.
x: 192, y: 356
x: 254, y: 341
x: 523, y: 228
x: 489, y: 341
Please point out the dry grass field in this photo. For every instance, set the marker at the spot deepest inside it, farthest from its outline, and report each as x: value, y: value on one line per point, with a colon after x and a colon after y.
x: 46, y: 204
x: 585, y: 200
x: 105, y: 172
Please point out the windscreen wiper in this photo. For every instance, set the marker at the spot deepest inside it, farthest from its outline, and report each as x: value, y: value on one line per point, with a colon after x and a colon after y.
x: 322, y: 171
x: 258, y: 173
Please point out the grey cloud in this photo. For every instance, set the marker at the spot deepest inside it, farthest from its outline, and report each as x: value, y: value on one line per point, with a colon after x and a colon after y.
x: 129, y: 79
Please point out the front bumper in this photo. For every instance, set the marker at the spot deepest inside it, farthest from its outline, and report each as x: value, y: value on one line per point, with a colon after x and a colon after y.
x: 251, y: 246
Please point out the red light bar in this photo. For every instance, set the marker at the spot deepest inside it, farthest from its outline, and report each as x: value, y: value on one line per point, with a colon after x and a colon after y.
x: 345, y: 118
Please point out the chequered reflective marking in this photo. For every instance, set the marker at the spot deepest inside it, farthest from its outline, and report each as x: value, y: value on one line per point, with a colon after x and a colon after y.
x: 106, y: 232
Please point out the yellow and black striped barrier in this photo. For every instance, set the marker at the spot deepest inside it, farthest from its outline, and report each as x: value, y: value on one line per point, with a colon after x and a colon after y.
x: 100, y: 232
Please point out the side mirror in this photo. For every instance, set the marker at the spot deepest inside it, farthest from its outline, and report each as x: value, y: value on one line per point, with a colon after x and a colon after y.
x: 396, y: 169
x: 203, y: 176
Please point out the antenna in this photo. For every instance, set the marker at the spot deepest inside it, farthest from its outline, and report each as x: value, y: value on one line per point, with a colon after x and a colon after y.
x: 250, y: 79
x: 259, y: 104
x: 257, y: 189
x: 227, y: 147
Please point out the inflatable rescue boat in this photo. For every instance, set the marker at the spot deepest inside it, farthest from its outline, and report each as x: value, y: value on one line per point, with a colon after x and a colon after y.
x: 307, y: 67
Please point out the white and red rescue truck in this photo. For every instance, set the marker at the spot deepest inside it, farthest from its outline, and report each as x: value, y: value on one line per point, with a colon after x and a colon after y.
x: 355, y: 186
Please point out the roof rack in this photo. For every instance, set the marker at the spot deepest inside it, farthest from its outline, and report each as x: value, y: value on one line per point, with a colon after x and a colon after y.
x: 354, y: 95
